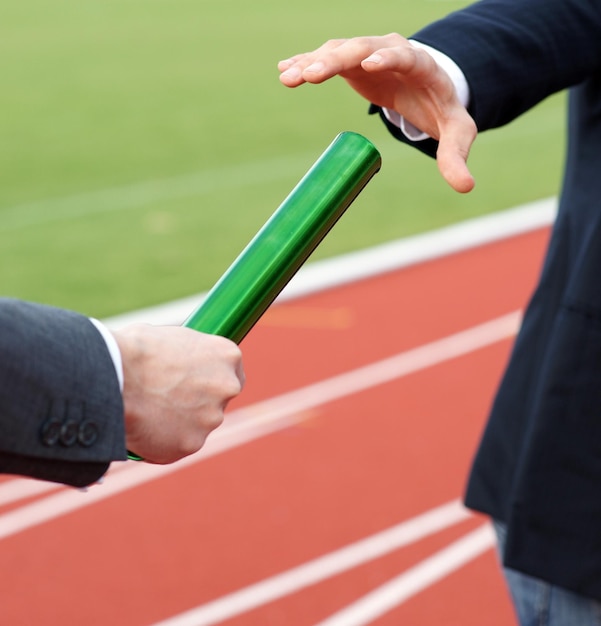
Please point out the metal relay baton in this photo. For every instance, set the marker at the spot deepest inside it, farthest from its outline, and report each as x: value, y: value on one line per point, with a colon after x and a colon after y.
x: 253, y: 281
x: 284, y: 243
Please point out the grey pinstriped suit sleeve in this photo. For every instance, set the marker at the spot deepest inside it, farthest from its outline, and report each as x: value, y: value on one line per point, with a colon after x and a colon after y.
x: 61, y: 411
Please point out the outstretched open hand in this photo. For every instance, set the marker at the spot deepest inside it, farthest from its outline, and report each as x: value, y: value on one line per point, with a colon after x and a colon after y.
x: 390, y: 72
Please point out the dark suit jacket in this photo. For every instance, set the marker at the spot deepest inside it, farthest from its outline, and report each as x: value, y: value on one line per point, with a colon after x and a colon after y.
x: 61, y: 412
x: 538, y: 467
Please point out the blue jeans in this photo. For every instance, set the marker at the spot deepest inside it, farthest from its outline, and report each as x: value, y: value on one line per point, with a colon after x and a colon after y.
x: 538, y: 603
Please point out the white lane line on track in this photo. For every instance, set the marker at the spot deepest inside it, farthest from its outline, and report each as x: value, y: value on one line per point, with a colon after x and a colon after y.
x: 346, y: 268
x: 413, y: 581
x: 373, y: 261
x: 22, y: 488
x: 262, y: 418
x: 322, y: 568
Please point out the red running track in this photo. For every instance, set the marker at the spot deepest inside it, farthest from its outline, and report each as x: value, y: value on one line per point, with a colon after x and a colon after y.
x: 272, y: 530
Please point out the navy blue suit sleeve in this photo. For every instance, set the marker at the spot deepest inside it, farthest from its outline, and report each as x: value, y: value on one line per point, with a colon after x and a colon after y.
x: 427, y: 146
x: 515, y: 53
x: 61, y: 411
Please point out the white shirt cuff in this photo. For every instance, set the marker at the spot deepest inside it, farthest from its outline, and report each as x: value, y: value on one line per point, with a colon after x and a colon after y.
x: 113, y: 348
x: 455, y: 74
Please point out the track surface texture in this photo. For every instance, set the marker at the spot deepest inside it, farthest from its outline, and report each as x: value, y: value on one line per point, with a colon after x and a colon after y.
x: 331, y: 495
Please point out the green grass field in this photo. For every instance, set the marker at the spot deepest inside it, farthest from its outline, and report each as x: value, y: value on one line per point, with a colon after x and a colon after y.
x: 142, y: 143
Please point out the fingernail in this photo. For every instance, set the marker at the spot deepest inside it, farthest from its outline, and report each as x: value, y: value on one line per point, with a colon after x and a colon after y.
x: 315, y: 67
x: 292, y: 73
x: 374, y: 58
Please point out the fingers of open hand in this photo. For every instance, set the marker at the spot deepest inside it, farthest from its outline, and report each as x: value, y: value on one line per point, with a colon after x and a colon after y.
x: 335, y: 57
x: 401, y: 57
x: 422, y: 92
x: 456, y: 139
x: 292, y: 69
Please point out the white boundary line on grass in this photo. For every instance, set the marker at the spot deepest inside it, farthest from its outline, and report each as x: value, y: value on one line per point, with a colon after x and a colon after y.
x: 347, y: 268
x: 144, y: 193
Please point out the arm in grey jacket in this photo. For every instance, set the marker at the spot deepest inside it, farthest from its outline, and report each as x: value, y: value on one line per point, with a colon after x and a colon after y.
x: 61, y: 412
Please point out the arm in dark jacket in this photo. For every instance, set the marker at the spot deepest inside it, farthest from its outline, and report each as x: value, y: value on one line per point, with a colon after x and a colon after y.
x: 61, y: 411
x: 515, y: 53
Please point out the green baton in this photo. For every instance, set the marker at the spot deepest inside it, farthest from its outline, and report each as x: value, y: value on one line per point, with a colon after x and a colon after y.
x: 284, y: 243
x: 253, y: 281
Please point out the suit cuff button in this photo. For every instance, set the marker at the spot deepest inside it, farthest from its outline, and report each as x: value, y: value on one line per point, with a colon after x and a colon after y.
x: 69, y: 433
x: 88, y: 434
x: 51, y: 431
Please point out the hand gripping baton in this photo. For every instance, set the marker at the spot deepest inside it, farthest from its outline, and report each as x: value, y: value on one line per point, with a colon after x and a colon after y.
x: 253, y: 281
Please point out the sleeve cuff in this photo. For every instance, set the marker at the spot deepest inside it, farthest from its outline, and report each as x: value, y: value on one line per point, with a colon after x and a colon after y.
x: 459, y: 81
x: 113, y: 348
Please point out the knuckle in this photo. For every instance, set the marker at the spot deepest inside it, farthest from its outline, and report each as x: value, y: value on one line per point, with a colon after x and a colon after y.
x: 196, y: 439
x: 211, y: 420
x: 232, y: 387
x: 235, y: 354
x: 393, y: 38
x: 228, y: 349
x: 190, y: 446
x: 217, y: 420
